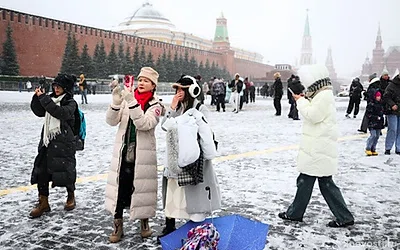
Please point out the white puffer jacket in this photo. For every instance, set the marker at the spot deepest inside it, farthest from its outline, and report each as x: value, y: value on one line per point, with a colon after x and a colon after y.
x: 318, y: 154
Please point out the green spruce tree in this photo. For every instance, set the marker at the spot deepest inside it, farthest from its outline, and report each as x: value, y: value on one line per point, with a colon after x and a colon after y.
x: 201, y: 70
x: 95, y: 61
x: 9, y: 55
x: 112, y: 61
x: 150, y: 60
x: 136, y: 60
x: 74, y: 57
x: 142, y: 59
x: 102, y: 62
x: 128, y: 64
x: 207, y: 71
x: 193, y: 67
x: 185, y: 64
x: 169, y: 68
x: 121, y: 58
x: 66, y: 61
x: 86, y: 66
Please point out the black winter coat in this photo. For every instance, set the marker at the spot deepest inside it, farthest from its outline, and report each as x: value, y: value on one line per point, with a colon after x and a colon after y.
x: 374, y: 112
x: 278, y: 89
x: 356, y: 89
x: 392, y: 96
x: 60, y: 155
x: 238, y: 87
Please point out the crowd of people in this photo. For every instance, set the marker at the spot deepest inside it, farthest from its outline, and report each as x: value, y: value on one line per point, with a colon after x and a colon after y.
x: 191, y: 146
x: 382, y: 110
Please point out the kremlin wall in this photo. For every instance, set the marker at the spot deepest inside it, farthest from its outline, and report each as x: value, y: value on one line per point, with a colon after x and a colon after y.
x: 40, y: 44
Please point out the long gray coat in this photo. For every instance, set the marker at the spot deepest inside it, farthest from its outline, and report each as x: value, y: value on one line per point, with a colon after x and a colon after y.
x: 196, y: 195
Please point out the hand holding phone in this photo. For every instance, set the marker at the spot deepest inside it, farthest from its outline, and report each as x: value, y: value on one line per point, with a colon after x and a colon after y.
x: 291, y: 91
x: 128, y: 82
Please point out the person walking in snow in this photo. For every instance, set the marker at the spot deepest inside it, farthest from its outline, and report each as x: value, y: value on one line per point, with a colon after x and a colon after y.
x: 392, y: 99
x: 236, y: 86
x: 355, y: 95
x: 297, y: 88
x: 187, y: 186
x: 28, y: 86
x: 252, y: 92
x: 219, y: 90
x: 83, y: 87
x: 374, y: 112
x: 278, y: 93
x: 374, y: 85
x: 318, y: 153
x: 132, y: 179
x: 55, y: 161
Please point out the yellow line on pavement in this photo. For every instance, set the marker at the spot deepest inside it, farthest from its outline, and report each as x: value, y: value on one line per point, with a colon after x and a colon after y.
x: 161, y: 167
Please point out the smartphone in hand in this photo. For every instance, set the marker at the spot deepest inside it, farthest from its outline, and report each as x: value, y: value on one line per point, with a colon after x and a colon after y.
x: 128, y: 81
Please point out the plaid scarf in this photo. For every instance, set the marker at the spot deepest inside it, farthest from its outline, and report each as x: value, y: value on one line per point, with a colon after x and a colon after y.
x: 318, y: 86
x: 192, y: 174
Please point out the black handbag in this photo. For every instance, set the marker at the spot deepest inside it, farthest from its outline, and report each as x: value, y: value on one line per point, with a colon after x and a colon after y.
x: 130, y: 154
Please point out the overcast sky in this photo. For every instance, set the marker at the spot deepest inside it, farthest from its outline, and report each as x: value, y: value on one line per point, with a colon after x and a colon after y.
x: 273, y: 28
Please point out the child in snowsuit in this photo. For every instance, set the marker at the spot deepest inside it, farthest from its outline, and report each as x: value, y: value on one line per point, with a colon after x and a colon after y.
x: 374, y: 112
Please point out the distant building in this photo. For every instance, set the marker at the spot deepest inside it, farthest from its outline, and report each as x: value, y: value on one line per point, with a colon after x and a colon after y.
x: 381, y: 60
x: 306, y: 48
x: 148, y: 22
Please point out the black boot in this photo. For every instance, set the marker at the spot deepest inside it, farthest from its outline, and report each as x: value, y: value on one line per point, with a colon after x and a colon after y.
x: 169, y: 228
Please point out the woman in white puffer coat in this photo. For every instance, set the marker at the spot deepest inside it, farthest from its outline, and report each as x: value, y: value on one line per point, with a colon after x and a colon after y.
x: 318, y: 153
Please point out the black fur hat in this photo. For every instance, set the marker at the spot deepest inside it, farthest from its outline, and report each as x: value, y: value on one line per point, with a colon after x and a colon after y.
x: 66, y: 82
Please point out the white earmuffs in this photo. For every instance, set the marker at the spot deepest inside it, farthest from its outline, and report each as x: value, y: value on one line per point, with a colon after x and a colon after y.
x: 194, y: 89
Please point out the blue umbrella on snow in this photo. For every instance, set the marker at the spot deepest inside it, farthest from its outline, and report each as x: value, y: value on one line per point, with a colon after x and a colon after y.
x: 236, y: 233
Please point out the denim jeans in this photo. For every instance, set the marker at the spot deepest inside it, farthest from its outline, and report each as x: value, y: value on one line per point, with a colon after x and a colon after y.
x: 373, y: 139
x: 84, y: 96
x: 393, y: 133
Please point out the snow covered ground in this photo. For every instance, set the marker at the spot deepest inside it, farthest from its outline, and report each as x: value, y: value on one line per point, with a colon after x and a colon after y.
x: 257, y: 175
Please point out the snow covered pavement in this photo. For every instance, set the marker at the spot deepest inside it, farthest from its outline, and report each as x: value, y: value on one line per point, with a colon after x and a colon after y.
x: 257, y: 175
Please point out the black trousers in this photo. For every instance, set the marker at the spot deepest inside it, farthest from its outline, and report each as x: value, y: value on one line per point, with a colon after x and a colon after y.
x: 252, y: 97
x: 213, y: 100
x: 329, y: 191
x: 278, y: 106
x: 246, y: 96
x: 294, y: 112
x: 354, y: 103
x: 44, y: 177
x: 242, y: 99
x: 220, y: 99
x: 125, y: 187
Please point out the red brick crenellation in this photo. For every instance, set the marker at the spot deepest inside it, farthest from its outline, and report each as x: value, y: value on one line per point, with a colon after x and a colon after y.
x: 40, y: 42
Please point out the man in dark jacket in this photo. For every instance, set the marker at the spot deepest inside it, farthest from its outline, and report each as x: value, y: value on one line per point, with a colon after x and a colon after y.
x: 55, y: 161
x: 278, y: 93
x: 289, y: 95
x: 236, y: 86
x: 297, y: 88
x: 219, y: 92
x: 356, y: 89
x: 374, y: 85
x: 392, y: 99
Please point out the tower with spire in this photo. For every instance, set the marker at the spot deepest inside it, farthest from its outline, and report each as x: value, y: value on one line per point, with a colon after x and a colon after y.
x: 221, y: 37
x: 306, y: 56
x: 330, y: 66
x: 378, y: 54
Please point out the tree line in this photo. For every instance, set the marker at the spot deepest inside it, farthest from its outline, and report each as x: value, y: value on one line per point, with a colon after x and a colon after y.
x: 123, y: 61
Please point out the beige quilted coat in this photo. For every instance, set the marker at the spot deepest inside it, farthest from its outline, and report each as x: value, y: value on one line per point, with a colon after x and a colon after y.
x: 144, y: 198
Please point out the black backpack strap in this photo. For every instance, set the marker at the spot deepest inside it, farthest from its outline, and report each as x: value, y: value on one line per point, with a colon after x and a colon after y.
x: 198, y: 106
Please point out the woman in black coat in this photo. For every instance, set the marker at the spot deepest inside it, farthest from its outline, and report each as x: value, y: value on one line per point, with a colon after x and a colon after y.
x: 278, y: 93
x: 56, y: 158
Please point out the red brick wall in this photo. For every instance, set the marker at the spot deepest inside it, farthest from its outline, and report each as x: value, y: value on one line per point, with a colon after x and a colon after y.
x: 252, y: 69
x: 40, y: 48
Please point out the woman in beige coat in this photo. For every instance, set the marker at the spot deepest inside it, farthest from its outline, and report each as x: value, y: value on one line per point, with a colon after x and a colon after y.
x: 132, y: 180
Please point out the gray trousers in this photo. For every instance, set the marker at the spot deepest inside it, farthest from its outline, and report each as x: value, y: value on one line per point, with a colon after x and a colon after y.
x: 330, y: 192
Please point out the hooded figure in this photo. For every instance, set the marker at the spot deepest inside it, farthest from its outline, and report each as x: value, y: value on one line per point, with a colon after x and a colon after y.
x: 55, y: 161
x: 356, y: 89
x: 318, y: 154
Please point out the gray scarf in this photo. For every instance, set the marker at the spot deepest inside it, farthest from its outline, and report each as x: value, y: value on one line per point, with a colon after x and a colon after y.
x: 52, y: 125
